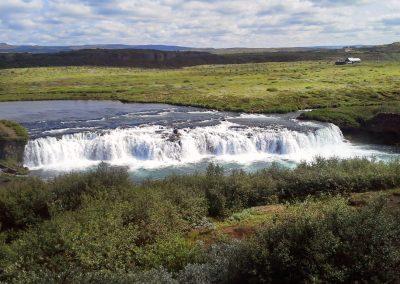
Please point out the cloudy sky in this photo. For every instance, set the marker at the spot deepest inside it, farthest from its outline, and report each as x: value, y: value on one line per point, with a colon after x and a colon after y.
x: 200, y: 23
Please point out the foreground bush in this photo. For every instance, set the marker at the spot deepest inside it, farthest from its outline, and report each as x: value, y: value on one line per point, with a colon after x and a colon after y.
x: 98, y: 226
x: 234, y: 191
x: 23, y: 203
x: 68, y: 190
x: 324, y: 241
x: 309, y: 244
x: 336, y: 244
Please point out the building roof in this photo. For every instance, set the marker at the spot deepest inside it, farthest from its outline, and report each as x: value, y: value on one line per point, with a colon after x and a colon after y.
x: 353, y: 59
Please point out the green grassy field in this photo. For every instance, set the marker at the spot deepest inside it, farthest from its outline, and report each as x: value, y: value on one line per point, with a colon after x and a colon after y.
x: 264, y: 87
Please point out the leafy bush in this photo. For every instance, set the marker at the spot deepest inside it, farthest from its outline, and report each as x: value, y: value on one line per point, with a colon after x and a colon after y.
x: 69, y: 189
x: 100, y: 227
x: 335, y: 245
x: 188, y: 199
x: 152, y: 276
x: 154, y: 215
x: 172, y: 253
x: 227, y: 193
x: 335, y: 176
x: 23, y: 203
x: 221, y: 265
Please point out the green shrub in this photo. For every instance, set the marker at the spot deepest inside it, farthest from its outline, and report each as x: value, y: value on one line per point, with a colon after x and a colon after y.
x: 234, y: 191
x: 336, y: 176
x: 69, y: 189
x: 103, y: 235
x: 336, y: 244
x: 152, y: 276
x: 222, y: 264
x: 23, y: 203
x: 328, y: 243
x: 173, y: 253
x: 38, y: 250
x: 103, y: 226
x: 154, y: 215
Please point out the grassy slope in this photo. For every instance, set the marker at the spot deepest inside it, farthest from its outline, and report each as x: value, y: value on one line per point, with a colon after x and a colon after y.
x: 10, y: 130
x: 264, y: 87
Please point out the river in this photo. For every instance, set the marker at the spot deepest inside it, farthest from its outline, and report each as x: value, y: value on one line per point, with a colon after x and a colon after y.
x: 155, y: 140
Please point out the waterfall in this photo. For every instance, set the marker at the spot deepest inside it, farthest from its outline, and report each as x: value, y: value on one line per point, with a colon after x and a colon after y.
x: 159, y: 145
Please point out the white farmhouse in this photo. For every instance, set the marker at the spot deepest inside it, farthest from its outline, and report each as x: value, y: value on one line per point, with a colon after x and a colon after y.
x: 348, y: 60
x: 352, y: 60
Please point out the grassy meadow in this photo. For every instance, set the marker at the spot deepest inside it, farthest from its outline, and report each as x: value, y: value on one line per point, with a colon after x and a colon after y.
x: 263, y: 87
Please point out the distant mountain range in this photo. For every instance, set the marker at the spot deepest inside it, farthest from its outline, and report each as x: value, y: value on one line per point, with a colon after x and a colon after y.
x: 7, y: 48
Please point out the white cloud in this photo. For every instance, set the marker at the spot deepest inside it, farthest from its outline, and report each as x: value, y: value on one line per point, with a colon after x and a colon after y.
x: 220, y: 23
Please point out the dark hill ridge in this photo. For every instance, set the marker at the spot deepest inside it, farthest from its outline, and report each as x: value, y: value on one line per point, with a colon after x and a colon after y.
x: 151, y: 58
x: 106, y: 57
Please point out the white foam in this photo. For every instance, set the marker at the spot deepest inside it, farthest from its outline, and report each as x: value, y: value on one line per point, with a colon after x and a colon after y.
x: 157, y: 146
x: 257, y: 116
x: 201, y: 112
x: 62, y: 130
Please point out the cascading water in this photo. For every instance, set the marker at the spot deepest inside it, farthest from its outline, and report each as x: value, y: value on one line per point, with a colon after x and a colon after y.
x: 159, y: 145
x: 156, y: 140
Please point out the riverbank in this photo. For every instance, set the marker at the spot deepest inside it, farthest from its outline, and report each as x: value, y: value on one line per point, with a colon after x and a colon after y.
x: 377, y: 124
x: 13, y: 138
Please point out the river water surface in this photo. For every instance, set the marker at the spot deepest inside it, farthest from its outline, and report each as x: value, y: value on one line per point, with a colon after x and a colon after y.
x: 154, y: 140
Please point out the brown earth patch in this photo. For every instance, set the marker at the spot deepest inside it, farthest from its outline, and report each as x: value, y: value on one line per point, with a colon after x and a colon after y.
x: 239, y: 232
x: 394, y: 200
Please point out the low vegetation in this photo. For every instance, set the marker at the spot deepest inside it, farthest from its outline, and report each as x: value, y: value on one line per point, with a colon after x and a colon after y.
x: 10, y: 130
x: 98, y: 226
x: 351, y: 117
x: 263, y: 87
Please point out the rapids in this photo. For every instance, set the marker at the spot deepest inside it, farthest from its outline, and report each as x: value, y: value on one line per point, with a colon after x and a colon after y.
x: 155, y: 140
